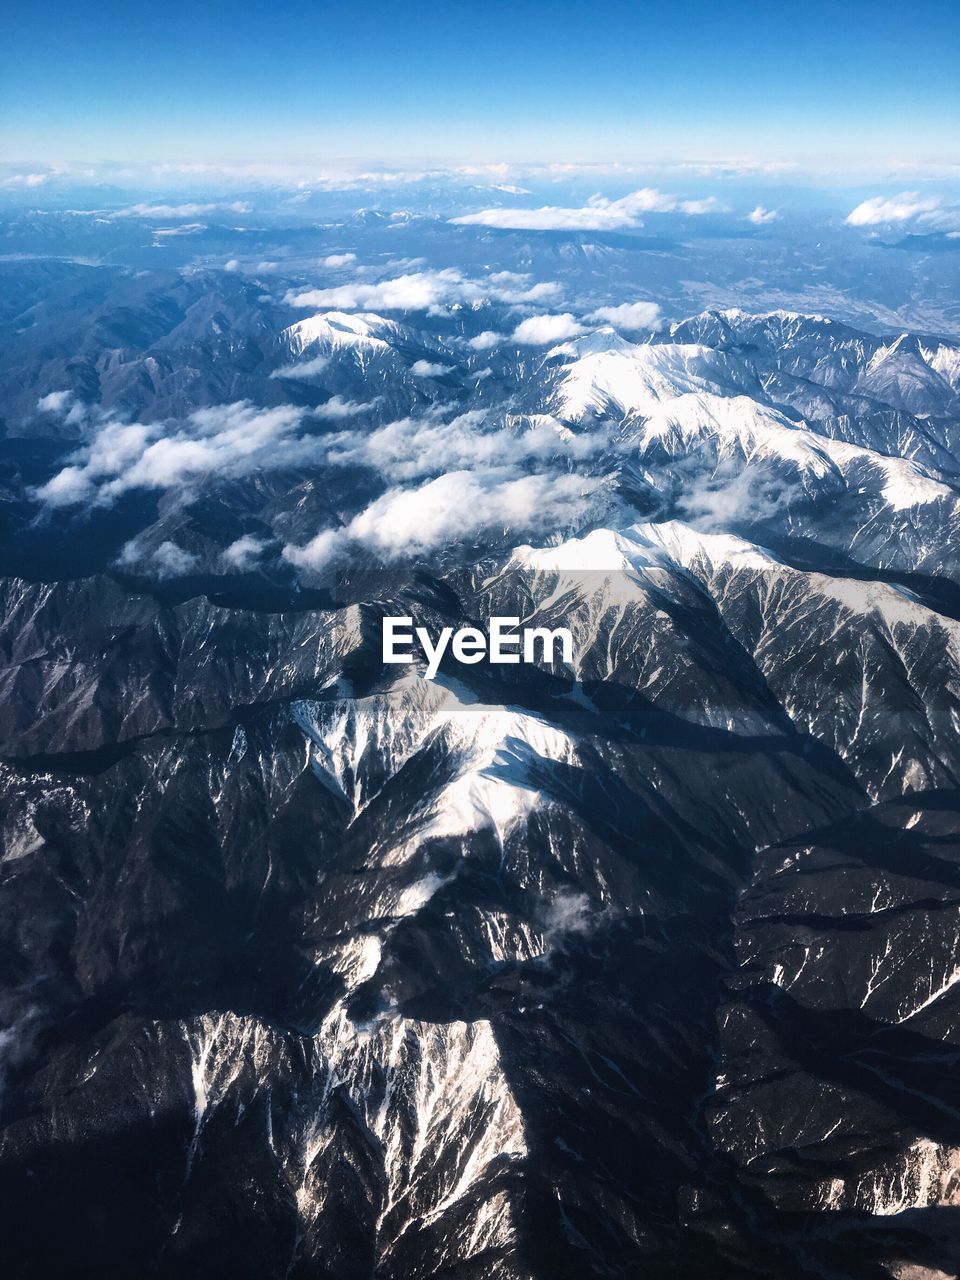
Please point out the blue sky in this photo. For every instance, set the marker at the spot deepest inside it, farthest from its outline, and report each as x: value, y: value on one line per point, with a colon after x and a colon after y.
x: 825, y: 84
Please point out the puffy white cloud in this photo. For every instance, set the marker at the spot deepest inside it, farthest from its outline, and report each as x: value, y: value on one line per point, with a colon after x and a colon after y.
x: 630, y: 315
x: 760, y: 216
x: 451, y: 508
x: 431, y: 291
x: 598, y: 214
x: 424, y: 369
x: 336, y: 260
x: 245, y: 552
x: 56, y: 402
x: 484, y: 341
x: 540, y: 330
x: 928, y: 212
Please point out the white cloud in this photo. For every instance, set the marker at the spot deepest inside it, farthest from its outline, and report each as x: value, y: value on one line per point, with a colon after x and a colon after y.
x: 598, y: 214
x: 760, y: 216
x: 336, y: 407
x: 335, y: 260
x: 244, y: 552
x: 484, y: 341
x: 928, y: 212
x: 229, y: 440
x: 449, y: 509
x: 165, y: 561
x: 424, y: 369
x: 540, y: 330
x: 55, y: 402
x: 64, y: 404
x: 432, y: 291
x: 630, y: 315
x: 414, y: 447
x: 235, y: 440
x: 305, y: 369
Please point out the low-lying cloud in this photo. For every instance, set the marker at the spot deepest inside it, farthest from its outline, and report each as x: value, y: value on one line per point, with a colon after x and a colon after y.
x: 237, y: 440
x: 244, y: 552
x: 485, y: 341
x: 164, y: 561
x: 411, y: 448
x: 228, y: 440
x: 428, y: 369
x: 456, y: 506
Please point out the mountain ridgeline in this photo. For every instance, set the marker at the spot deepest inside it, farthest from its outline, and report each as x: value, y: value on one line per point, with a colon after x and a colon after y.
x: 642, y: 964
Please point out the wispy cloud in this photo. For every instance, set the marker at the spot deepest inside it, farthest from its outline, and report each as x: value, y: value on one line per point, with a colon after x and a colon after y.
x: 150, y: 211
x: 304, y: 370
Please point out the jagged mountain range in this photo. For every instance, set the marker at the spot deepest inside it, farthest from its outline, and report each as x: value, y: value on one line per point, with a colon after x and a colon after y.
x: 645, y: 964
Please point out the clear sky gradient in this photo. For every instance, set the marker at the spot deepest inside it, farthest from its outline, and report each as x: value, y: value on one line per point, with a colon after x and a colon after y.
x: 826, y: 83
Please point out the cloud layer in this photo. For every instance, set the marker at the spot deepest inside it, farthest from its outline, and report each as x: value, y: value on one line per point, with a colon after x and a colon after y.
x: 228, y: 440
x: 431, y: 291
x: 446, y: 478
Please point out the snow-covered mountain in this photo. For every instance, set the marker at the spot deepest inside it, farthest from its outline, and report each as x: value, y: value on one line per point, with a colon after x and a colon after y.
x: 640, y: 964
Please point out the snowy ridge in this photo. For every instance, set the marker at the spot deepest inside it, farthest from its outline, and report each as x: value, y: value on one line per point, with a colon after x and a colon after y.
x: 340, y: 330
x: 488, y: 750
x: 625, y: 378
